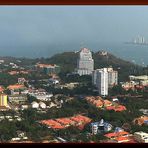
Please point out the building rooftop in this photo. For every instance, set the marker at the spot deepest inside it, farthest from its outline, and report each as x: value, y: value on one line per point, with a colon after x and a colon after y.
x: 15, y: 86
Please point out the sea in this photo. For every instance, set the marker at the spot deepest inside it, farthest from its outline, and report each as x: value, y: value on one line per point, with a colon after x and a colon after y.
x: 135, y: 53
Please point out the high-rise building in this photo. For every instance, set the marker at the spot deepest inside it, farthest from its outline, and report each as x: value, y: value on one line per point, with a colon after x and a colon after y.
x: 85, y: 63
x: 112, y: 77
x: 103, y: 79
x: 100, y: 78
x: 3, y: 100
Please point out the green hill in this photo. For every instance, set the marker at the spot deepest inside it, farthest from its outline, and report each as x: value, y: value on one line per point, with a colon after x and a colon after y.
x: 68, y: 62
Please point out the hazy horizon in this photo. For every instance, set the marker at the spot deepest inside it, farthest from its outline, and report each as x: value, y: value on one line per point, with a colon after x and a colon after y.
x: 36, y: 31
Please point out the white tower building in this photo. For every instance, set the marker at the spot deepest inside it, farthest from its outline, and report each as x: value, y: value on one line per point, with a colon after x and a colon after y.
x: 102, y: 81
x: 85, y: 63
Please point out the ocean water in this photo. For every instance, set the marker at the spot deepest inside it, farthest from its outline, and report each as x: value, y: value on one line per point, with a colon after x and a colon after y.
x: 135, y: 53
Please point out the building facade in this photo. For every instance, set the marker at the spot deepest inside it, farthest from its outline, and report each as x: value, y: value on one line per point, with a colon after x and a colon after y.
x: 103, y: 79
x: 49, y: 69
x: 141, y: 137
x: 112, y: 77
x: 100, y: 80
x: 85, y: 62
x: 3, y: 100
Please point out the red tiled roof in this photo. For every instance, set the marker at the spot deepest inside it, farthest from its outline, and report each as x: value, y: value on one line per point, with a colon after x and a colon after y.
x: 16, y: 86
x: 1, y: 89
x: 65, y: 121
x: 56, y: 123
x: 110, y: 107
x: 110, y: 135
x: 121, y: 139
x: 45, y: 65
x: 107, y: 102
x: 122, y: 133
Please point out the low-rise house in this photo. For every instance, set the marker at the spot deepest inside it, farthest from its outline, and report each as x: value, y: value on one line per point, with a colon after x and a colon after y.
x: 16, y: 89
x: 107, y: 103
x: 21, y: 81
x: 42, y: 105
x: 78, y: 121
x: 120, y: 108
x: 17, y: 99
x: 24, y: 106
x: 52, y: 105
x: 35, y: 104
x: 141, y: 120
x: 141, y: 137
x: 40, y: 94
x: 122, y: 139
x: 129, y: 85
x: 101, y: 126
x: 117, y: 133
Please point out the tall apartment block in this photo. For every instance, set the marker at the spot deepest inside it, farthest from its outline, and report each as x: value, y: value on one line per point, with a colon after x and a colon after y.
x: 100, y: 80
x: 103, y: 79
x: 112, y: 77
x: 85, y: 62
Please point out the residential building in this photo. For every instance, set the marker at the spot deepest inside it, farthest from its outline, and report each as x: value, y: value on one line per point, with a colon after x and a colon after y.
x: 141, y: 120
x: 85, y: 62
x: 94, y: 128
x: 101, y: 81
x: 104, y: 126
x: 140, y: 80
x: 141, y: 137
x: 3, y: 100
x: 16, y: 89
x: 100, y: 126
x: 42, y: 105
x: 48, y: 68
x: 117, y: 134
x: 35, y: 104
x: 17, y: 98
x: 104, y: 78
x: 112, y: 77
x: 61, y: 123
x: 94, y: 77
x: 21, y: 81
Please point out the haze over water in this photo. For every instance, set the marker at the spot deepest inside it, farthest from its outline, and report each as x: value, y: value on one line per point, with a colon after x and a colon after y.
x: 42, y: 31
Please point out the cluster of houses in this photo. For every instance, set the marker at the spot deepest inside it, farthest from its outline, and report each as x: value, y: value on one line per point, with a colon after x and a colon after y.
x: 10, y: 117
x: 121, y: 136
x: 135, y: 82
x: 61, y: 123
x: 141, y: 120
x: 105, y: 104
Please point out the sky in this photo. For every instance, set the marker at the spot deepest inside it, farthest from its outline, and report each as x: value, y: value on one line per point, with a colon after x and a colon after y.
x: 38, y: 26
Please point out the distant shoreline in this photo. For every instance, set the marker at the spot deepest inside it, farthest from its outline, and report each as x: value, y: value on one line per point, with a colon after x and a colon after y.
x: 136, y: 43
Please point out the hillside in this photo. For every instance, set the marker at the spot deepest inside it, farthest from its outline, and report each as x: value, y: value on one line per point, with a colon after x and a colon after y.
x: 68, y: 60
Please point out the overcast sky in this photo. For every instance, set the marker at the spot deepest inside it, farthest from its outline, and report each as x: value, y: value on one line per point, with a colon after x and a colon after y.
x: 45, y: 25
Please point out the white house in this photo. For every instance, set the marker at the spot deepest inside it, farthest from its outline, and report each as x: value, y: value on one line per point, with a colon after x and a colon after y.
x: 42, y: 105
x: 141, y: 137
x: 35, y: 104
